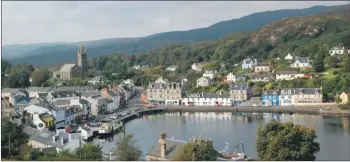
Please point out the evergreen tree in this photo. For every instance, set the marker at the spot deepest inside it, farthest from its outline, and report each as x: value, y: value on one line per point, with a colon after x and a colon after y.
x: 318, y: 64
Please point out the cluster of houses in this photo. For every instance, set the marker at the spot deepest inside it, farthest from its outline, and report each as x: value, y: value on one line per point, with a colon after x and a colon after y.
x: 46, y: 107
x: 172, y: 93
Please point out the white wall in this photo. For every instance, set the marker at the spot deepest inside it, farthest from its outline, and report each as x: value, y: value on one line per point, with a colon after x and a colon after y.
x: 207, y: 101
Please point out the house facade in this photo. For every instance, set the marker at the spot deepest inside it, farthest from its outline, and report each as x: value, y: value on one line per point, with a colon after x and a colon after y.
x: 209, y: 74
x: 301, y: 62
x: 270, y: 98
x: 288, y: 75
x: 240, y: 91
x: 235, y: 77
x: 289, y: 56
x: 337, y: 50
x: 34, y: 92
x: 262, y: 68
x: 286, y: 96
x: 307, y: 96
x: 207, y: 99
x: 165, y: 93
x: 248, y: 63
x: 197, y: 67
x: 204, y: 82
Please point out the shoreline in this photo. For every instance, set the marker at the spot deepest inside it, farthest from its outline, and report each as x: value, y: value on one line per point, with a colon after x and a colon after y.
x: 314, y: 110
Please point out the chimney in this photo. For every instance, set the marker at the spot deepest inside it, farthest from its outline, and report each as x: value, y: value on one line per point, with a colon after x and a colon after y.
x: 162, y: 144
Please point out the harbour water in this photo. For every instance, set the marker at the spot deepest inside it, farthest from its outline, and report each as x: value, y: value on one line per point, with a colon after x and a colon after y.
x: 333, y: 132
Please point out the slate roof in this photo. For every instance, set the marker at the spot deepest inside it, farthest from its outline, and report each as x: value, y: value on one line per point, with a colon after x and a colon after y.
x: 62, y: 102
x: 10, y: 90
x: 172, y: 146
x: 90, y: 93
x: 39, y: 89
x: 303, y: 59
x: 67, y: 67
x: 285, y: 91
x: 239, y: 86
x: 64, y: 94
x: 44, y: 137
x: 308, y: 90
x: 208, y: 95
x: 163, y: 85
x: 270, y: 92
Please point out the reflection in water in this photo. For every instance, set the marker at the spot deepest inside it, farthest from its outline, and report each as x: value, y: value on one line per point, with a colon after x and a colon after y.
x: 333, y: 132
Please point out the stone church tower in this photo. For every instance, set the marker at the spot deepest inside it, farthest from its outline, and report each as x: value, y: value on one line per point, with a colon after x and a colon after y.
x: 83, y: 62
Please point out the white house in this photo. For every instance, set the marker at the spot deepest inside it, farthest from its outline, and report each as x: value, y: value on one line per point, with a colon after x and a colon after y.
x: 288, y: 75
x: 171, y: 68
x: 137, y: 67
x: 301, y: 62
x: 98, y: 103
x: 289, y: 57
x: 6, y: 92
x: 207, y: 99
x: 56, y: 112
x: 337, y: 50
x: 248, y: 63
x: 204, y: 82
x: 86, y: 133
x: 35, y: 91
x: 97, y: 80
x: 110, y: 105
x: 209, y: 73
x: 197, y: 67
x: 286, y: 96
x: 234, y: 77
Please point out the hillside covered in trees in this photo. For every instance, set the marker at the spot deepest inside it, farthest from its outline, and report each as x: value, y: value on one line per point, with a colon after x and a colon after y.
x: 306, y: 36
x: 56, y: 53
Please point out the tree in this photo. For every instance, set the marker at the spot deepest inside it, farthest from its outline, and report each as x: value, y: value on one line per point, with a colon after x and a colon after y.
x: 127, y: 149
x: 198, y: 150
x: 338, y: 99
x: 89, y: 152
x: 318, y: 63
x: 13, y: 135
x: 286, y: 142
x: 40, y: 77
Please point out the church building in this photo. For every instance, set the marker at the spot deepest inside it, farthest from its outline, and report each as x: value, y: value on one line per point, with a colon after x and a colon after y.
x: 69, y: 71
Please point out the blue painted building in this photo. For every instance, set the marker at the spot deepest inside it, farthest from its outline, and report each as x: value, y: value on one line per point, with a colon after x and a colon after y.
x: 270, y: 98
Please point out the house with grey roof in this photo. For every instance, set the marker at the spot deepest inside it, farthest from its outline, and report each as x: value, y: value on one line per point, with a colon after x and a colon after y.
x: 286, y: 96
x: 35, y: 91
x: 197, y: 67
x: 301, y: 62
x: 288, y: 75
x: 240, y: 91
x: 207, y: 99
x: 6, y: 92
x: 203, y: 82
x: 98, y: 104
x: 235, y: 77
x: 249, y: 62
x: 165, y: 93
x: 307, y: 96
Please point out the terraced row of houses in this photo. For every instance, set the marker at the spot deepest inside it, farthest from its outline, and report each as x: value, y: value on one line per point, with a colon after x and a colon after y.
x: 162, y: 92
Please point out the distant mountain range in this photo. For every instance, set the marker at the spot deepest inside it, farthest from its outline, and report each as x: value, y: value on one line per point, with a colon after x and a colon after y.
x: 50, y: 54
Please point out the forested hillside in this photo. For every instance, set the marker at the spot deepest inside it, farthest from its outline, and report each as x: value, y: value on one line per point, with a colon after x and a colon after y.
x: 50, y: 55
x: 307, y: 36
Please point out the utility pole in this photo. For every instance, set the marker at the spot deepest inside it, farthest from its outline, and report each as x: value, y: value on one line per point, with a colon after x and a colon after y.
x: 81, y: 159
x: 9, y: 143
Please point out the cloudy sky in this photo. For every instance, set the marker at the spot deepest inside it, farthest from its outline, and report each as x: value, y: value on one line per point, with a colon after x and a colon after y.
x: 34, y: 22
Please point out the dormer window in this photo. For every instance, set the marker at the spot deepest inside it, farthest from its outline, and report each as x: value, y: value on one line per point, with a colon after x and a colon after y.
x: 282, y: 92
x: 289, y: 92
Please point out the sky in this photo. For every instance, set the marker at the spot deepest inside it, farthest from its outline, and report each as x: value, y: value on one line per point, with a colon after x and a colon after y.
x: 49, y: 21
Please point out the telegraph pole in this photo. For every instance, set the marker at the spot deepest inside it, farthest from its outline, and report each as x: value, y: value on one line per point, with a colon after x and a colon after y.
x: 81, y: 159
x: 9, y: 143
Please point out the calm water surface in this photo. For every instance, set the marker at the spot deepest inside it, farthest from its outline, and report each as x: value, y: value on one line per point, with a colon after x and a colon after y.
x: 333, y: 132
